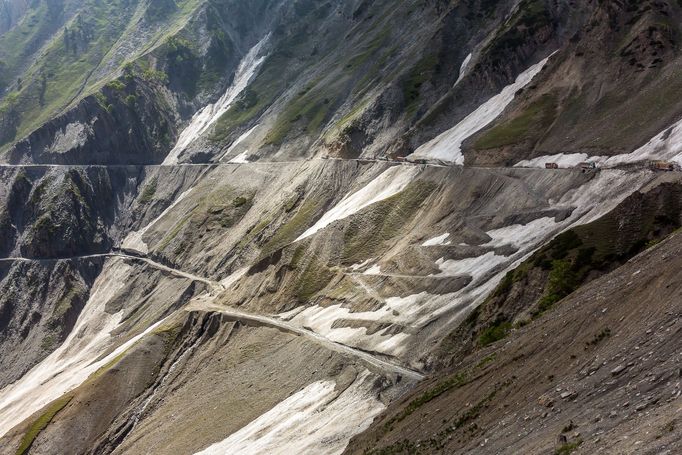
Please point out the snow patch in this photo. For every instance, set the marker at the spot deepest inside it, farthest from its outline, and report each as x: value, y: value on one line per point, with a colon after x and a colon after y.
x: 374, y: 270
x: 241, y: 158
x: 133, y: 240
x: 522, y: 235
x: 207, y: 116
x: 564, y: 160
x: 436, y: 241
x: 447, y: 146
x: 463, y: 69
x: 356, y: 267
x: 666, y: 146
x: 75, y: 360
x: 230, y: 280
x: 390, y: 182
x: 476, y: 267
x: 413, y: 311
x: 318, y: 419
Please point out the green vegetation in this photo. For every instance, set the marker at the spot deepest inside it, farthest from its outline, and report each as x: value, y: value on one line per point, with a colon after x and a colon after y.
x: 149, y: 191
x: 311, y: 107
x: 218, y: 208
x: 117, y: 85
x: 530, y: 17
x: 348, y: 119
x: 568, y: 448
x: 585, y: 252
x: 41, y: 423
x: 314, y: 104
x: 315, y: 277
x: 264, y: 89
x: 75, y: 292
x: 495, y: 332
x: 239, y: 201
x: 288, y: 232
x: 63, y: 70
x: 561, y: 282
x: 172, y: 234
x: 535, y: 119
x: 255, y: 231
x: 440, y: 388
x: 368, y: 235
x: 420, y: 73
x: 437, y: 441
x: 48, y: 342
x: 169, y: 332
x: 486, y: 360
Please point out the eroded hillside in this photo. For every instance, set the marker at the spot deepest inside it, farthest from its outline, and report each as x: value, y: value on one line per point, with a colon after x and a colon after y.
x: 212, y: 243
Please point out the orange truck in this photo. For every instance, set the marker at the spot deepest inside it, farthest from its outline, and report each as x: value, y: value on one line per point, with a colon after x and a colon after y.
x: 662, y: 166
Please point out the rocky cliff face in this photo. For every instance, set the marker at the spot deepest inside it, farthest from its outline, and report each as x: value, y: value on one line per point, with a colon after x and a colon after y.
x: 209, y: 229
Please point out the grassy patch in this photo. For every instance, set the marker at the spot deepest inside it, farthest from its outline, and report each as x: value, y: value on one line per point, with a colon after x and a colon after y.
x: 530, y: 17
x: 315, y: 277
x: 172, y: 234
x: 288, y: 232
x: 149, y: 191
x: 568, y: 448
x: 495, y: 332
x: 486, y: 360
x: 310, y: 108
x: 366, y: 236
x: 440, y: 388
x: 64, y: 70
x: 41, y: 423
x: 420, y: 73
x: 561, y: 282
x: 255, y: 231
x: 536, y: 118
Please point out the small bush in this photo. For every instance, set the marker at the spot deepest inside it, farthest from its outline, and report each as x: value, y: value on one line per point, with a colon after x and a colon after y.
x: 239, y: 201
x: 568, y: 448
x: 116, y: 85
x: 494, y: 333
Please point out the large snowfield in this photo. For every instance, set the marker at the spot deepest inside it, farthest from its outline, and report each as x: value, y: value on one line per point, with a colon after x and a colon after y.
x: 448, y: 145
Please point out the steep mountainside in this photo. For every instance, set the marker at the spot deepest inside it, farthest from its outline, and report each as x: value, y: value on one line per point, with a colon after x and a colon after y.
x: 317, y: 226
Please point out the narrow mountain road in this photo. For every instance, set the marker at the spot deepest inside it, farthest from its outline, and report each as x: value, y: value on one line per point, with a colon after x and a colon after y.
x: 214, y: 285
x: 206, y: 304
x: 628, y: 166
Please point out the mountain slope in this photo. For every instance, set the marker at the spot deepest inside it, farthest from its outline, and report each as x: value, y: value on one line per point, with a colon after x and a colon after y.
x: 211, y: 239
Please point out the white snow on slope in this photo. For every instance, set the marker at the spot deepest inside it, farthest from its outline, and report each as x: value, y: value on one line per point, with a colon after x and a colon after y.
x: 374, y: 270
x: 463, y: 69
x: 392, y: 181
x: 447, y: 146
x: 207, y: 116
x: 666, y: 146
x: 241, y: 158
x: 317, y: 419
x: 410, y: 311
x: 437, y: 241
x: 75, y: 360
x: 564, y: 160
x: 476, y: 266
x: 521, y: 235
x: 590, y: 201
x: 133, y: 240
